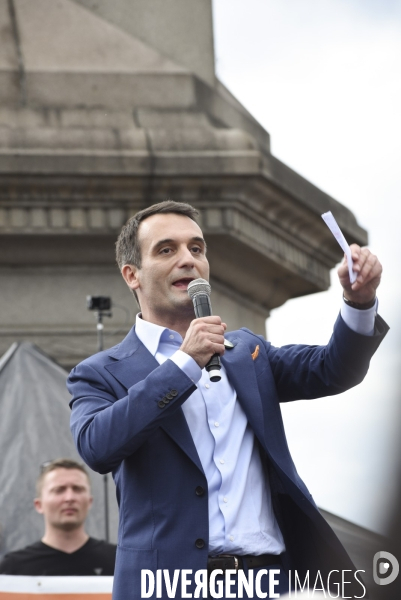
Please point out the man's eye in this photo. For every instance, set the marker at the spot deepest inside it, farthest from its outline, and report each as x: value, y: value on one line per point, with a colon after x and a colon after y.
x: 165, y: 251
x: 196, y: 249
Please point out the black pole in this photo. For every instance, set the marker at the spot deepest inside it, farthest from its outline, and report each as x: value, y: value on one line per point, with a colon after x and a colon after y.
x: 106, y: 507
x: 100, y: 328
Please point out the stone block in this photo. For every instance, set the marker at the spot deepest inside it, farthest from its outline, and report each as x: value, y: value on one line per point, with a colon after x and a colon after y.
x: 3, y: 217
x: 18, y: 217
x: 116, y: 218
x: 58, y: 217
x: 86, y: 118
x: 179, y: 29
x: 171, y: 119
x: 214, y: 217
x: 72, y: 39
x: 96, y: 218
x: 77, y: 218
x: 38, y: 218
x: 9, y: 88
x: 119, y: 90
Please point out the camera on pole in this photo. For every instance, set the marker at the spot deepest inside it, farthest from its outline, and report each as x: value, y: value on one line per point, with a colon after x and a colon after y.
x: 101, y: 306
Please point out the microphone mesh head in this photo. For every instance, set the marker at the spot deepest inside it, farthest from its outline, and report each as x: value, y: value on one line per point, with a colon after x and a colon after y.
x: 198, y: 286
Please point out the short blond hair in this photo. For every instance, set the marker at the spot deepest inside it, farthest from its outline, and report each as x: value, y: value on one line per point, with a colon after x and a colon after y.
x: 58, y: 463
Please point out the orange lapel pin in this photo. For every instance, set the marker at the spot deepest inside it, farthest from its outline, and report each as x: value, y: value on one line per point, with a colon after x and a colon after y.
x: 255, y: 353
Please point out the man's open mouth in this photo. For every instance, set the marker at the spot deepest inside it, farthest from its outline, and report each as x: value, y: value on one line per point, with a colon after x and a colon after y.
x: 183, y: 283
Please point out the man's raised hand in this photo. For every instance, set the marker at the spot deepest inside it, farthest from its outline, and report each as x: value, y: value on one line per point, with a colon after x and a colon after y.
x: 368, y: 269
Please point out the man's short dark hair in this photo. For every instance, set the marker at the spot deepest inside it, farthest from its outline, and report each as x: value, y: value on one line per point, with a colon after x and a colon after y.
x: 59, y: 463
x: 128, y: 250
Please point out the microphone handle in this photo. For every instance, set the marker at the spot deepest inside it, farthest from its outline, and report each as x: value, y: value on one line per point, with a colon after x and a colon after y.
x: 213, y: 367
x: 203, y: 308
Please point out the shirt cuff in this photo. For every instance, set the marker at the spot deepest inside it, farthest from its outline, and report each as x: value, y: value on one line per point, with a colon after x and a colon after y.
x: 187, y: 364
x: 360, y: 321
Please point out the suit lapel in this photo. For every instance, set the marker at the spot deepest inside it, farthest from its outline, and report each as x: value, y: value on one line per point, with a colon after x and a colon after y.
x: 131, y: 368
x: 241, y: 373
x: 132, y: 363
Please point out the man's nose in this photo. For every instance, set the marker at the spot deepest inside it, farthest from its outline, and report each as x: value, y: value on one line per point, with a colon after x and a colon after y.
x: 185, y: 257
x: 69, y: 495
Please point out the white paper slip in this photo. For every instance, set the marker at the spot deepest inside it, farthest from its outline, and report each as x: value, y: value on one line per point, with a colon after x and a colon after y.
x: 338, y: 234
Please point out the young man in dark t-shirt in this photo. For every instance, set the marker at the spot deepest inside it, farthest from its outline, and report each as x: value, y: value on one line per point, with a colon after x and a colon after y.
x: 64, y: 498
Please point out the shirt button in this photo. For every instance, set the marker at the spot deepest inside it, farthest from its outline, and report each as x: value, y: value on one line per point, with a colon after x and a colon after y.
x: 216, y: 424
x: 225, y: 500
x: 171, y: 337
x: 207, y: 385
x: 231, y: 538
x: 221, y: 461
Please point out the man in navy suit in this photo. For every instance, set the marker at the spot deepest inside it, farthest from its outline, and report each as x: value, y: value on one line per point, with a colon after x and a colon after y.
x: 204, y: 477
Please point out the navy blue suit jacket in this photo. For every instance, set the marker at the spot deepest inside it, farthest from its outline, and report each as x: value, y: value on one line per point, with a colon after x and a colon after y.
x: 119, y: 425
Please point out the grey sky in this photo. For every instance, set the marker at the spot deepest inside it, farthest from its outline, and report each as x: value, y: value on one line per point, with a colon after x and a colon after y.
x: 379, y: 8
x: 323, y: 77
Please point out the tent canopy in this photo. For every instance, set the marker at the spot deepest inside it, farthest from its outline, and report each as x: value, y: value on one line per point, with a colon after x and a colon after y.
x: 34, y: 428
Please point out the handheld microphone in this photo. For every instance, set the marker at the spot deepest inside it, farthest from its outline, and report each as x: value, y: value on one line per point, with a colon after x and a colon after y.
x: 199, y: 292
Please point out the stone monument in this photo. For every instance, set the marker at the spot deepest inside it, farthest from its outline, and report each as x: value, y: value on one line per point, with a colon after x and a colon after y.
x: 105, y: 108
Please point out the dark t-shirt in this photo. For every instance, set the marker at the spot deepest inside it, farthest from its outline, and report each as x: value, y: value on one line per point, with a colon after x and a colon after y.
x: 95, y: 557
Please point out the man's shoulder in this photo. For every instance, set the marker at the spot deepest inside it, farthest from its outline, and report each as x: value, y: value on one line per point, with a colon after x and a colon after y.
x: 12, y: 560
x: 244, y: 331
x: 244, y: 334
x: 98, y: 556
x: 95, y: 545
x: 99, y: 360
x: 35, y: 548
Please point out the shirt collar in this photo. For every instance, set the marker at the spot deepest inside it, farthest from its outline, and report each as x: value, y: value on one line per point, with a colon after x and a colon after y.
x: 152, y: 335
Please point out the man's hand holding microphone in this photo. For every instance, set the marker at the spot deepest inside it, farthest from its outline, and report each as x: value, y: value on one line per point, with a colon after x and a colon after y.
x: 204, y: 340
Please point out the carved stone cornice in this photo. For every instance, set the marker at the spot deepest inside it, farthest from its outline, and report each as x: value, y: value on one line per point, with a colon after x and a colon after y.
x: 262, y: 243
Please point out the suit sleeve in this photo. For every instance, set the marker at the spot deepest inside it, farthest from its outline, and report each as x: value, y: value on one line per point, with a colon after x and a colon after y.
x: 107, y: 429
x: 306, y: 372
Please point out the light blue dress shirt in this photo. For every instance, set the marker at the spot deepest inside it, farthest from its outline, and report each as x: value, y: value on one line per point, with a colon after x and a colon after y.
x: 241, y: 517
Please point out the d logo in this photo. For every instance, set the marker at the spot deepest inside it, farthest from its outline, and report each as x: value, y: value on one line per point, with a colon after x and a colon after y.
x: 385, y: 568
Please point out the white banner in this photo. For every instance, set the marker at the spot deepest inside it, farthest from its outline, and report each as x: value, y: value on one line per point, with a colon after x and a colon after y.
x: 22, y: 587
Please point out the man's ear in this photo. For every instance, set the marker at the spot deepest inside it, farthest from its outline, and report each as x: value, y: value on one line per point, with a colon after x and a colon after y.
x: 38, y: 505
x: 130, y: 274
